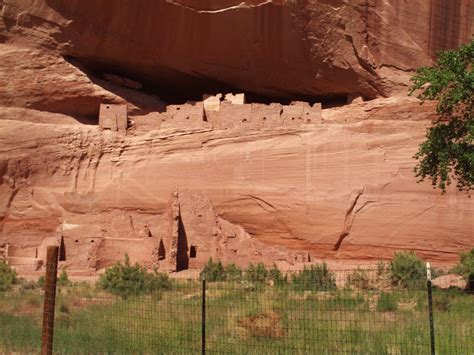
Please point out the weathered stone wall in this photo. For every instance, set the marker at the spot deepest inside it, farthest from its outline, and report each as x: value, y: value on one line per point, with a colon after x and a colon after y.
x: 231, y: 113
x: 113, y: 117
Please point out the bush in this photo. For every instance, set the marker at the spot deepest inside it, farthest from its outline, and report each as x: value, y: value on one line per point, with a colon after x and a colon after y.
x: 7, y: 276
x: 41, y: 281
x: 213, y: 271
x: 381, y: 268
x: 256, y: 273
x: 359, y: 279
x: 126, y: 280
x: 64, y: 308
x: 408, y: 270
x: 63, y: 279
x: 316, y: 277
x: 232, y: 273
x: 157, y: 281
x: 465, y: 267
x: 442, y: 302
x: 277, y: 277
x: 387, y: 302
x: 28, y: 285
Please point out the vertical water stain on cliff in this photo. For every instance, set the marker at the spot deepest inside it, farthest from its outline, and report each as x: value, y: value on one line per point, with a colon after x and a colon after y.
x: 445, y: 25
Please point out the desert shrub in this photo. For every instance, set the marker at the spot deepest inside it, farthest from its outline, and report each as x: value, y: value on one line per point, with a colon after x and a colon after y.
x: 63, y: 279
x: 387, y: 302
x: 276, y: 276
x: 127, y: 280
x: 41, y: 281
x: 7, y: 276
x: 213, y: 271
x: 316, y: 277
x: 407, y: 270
x: 465, y: 267
x: 232, y: 272
x: 34, y: 299
x: 359, y: 279
x: 28, y: 285
x: 256, y: 273
x: 442, y: 302
x: 157, y: 281
x: 381, y: 268
x: 64, y: 308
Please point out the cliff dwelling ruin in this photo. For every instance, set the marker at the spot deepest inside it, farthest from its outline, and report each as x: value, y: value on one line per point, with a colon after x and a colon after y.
x: 270, y: 119
x: 216, y: 112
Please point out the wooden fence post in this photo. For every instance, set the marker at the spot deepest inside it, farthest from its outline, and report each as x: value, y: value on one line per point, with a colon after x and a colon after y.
x: 49, y: 300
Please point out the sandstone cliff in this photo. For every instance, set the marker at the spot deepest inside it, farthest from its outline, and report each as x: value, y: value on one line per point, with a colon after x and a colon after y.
x: 338, y: 188
x: 273, y: 47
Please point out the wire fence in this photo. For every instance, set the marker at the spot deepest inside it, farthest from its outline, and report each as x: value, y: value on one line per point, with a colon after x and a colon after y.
x: 331, y: 312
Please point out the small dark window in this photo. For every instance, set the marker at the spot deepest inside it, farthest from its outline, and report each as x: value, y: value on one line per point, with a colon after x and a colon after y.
x: 192, y: 251
x: 107, y: 106
x: 77, y: 240
x: 92, y: 240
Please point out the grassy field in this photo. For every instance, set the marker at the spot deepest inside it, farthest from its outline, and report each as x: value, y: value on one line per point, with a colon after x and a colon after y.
x: 240, y: 319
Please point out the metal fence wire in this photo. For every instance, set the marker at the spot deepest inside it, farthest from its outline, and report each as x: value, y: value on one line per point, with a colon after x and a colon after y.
x: 359, y: 311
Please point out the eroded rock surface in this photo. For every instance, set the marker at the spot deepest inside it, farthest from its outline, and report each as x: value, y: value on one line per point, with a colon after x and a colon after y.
x: 242, y: 182
x: 340, y: 189
x: 272, y: 47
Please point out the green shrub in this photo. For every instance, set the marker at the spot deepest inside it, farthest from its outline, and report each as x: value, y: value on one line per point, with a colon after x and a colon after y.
x: 28, y: 285
x: 41, y: 281
x: 257, y: 274
x: 157, y: 281
x: 63, y: 279
x: 408, y: 270
x: 387, y: 302
x: 127, y: 280
x: 359, y: 279
x: 442, y: 302
x: 277, y: 277
x: 232, y: 273
x: 381, y: 268
x: 34, y: 299
x: 465, y: 267
x: 64, y: 308
x: 316, y: 277
x: 7, y: 276
x: 213, y: 271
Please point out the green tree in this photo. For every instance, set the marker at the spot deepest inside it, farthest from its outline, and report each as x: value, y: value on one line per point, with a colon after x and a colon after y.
x: 448, y: 152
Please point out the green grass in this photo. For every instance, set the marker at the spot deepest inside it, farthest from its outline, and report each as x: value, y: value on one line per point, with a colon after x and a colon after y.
x: 240, y: 319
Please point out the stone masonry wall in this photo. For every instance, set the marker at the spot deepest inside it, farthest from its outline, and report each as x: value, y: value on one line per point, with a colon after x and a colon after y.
x: 230, y: 113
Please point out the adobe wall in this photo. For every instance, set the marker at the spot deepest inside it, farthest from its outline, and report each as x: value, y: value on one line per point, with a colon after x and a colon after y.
x: 113, y: 117
x: 230, y: 113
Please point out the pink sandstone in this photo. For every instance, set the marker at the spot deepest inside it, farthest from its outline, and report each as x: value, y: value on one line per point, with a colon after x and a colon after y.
x: 246, y: 182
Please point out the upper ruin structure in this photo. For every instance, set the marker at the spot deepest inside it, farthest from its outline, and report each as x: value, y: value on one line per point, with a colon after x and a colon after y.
x: 231, y: 111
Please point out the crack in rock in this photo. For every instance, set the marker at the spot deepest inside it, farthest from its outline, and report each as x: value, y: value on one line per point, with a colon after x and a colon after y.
x: 242, y: 5
x: 351, y: 214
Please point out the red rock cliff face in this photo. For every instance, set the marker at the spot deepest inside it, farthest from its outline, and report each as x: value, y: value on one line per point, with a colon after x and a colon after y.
x: 276, y: 48
x: 339, y: 188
